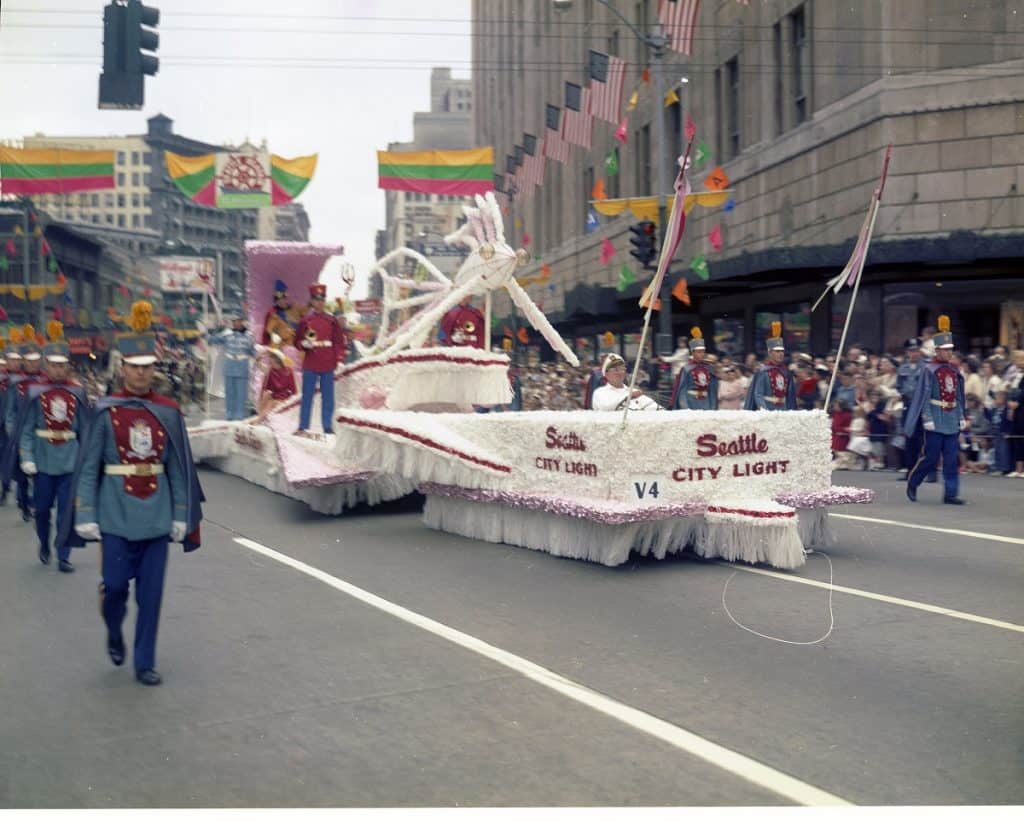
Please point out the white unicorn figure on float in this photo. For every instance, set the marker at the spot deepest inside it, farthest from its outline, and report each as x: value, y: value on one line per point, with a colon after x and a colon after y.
x: 491, y: 265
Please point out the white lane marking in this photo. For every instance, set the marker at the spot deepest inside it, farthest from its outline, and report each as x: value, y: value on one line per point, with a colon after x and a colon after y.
x: 735, y: 763
x: 957, y: 532
x: 906, y: 603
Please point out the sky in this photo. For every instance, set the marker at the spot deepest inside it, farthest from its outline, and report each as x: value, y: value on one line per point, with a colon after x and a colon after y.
x: 341, y: 78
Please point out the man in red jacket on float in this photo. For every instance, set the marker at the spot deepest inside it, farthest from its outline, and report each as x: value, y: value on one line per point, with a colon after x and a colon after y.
x: 322, y: 340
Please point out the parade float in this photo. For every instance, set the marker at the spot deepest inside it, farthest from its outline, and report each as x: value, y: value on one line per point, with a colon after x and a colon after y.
x: 739, y: 485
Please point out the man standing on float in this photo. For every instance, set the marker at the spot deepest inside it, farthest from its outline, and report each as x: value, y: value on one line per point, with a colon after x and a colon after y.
x: 773, y: 387
x: 696, y: 386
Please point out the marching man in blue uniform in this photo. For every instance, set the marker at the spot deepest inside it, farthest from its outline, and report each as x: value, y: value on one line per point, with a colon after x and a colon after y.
x: 239, y: 348
x: 773, y: 387
x: 135, y: 489
x: 47, y: 430
x: 17, y: 389
x: 938, y: 407
x: 696, y: 386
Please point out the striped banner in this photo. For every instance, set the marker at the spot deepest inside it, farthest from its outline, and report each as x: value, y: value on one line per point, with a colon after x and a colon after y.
x: 54, y: 170
x: 459, y: 173
x: 577, y: 124
x: 676, y: 222
x: 607, y: 77
x: 554, y: 146
x: 679, y: 19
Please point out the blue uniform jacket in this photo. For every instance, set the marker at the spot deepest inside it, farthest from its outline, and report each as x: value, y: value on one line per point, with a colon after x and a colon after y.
x: 50, y: 457
x: 696, y: 388
x: 239, y: 347
x: 761, y: 387
x: 947, y: 421
x: 170, y: 417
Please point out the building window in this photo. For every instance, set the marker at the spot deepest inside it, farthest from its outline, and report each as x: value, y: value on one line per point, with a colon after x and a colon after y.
x: 108, y: 200
x: 120, y: 179
x: 120, y: 201
x: 732, y: 106
x: 801, y: 64
x: 147, y: 158
x: 135, y: 201
x: 110, y: 219
x: 145, y: 200
x: 120, y: 158
x: 135, y: 178
x: 148, y: 221
x: 135, y: 220
x: 120, y: 220
x: 135, y: 158
x: 94, y: 200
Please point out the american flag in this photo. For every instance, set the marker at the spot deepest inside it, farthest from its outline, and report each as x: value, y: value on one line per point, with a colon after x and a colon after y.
x: 524, y: 182
x: 679, y: 17
x: 533, y: 162
x: 554, y: 146
x: 577, y: 124
x: 607, y: 76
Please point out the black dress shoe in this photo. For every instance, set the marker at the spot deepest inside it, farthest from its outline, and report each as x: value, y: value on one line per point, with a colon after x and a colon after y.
x: 115, y: 649
x: 954, y: 501
x: 932, y: 478
x: 911, y: 493
x: 147, y: 676
x: 44, y: 554
x: 66, y: 567
x: 26, y: 515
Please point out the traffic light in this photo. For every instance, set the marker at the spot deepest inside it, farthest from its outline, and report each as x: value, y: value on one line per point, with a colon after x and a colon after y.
x: 128, y: 34
x: 644, y: 242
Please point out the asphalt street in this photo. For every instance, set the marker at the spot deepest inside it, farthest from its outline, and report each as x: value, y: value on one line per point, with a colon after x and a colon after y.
x: 282, y: 690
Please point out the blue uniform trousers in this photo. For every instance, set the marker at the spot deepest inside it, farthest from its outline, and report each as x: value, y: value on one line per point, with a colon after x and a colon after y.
x: 146, y: 561
x: 234, y: 396
x: 936, y: 444
x: 309, y: 383
x: 50, y: 488
x: 21, y: 483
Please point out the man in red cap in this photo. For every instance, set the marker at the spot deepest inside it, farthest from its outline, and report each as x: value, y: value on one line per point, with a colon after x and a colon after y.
x: 321, y: 339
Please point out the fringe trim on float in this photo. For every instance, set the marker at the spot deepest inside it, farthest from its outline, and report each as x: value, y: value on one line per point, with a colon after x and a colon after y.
x: 751, y: 531
x: 455, y: 384
x: 814, y: 528
x: 771, y: 541
x: 329, y: 499
x: 391, y: 454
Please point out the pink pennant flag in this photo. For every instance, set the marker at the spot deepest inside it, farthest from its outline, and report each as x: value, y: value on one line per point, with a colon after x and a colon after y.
x: 526, y: 240
x: 622, y: 131
x: 715, y: 238
x: 607, y: 251
x: 690, y: 129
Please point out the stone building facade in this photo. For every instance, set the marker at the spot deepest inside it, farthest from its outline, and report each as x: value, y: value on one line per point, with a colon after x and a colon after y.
x: 796, y: 100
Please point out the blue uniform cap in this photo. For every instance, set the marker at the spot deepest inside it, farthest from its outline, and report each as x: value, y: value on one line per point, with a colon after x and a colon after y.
x: 138, y: 349
x: 56, y: 352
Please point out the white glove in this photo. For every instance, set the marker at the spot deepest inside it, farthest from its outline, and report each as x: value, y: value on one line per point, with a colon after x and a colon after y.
x: 963, y: 427
x: 178, y: 531
x: 307, y: 344
x: 88, y: 530
x: 929, y: 425
x: 29, y: 468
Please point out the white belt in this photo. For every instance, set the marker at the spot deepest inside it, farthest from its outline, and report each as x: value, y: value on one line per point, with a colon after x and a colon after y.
x: 320, y: 343
x: 775, y: 400
x: 698, y: 394
x: 47, y: 434
x: 238, y: 356
x: 134, y: 469
x: 945, y: 406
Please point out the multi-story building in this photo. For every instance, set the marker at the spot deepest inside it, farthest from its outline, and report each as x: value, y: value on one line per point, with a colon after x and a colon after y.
x: 796, y: 100
x: 419, y: 220
x: 288, y: 222
x: 146, y: 212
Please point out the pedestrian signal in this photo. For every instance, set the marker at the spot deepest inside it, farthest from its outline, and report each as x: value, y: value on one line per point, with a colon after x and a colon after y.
x: 644, y: 242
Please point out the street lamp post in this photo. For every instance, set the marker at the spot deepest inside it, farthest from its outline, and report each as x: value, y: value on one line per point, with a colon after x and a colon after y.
x: 656, y: 42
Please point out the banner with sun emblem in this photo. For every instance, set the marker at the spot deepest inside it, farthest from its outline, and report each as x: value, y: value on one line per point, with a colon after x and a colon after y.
x: 240, y: 179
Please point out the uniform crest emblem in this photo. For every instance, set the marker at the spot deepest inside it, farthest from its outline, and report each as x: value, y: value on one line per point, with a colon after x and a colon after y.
x: 946, y: 378
x: 701, y: 378
x: 140, y: 438
x: 59, y: 409
x: 778, y: 382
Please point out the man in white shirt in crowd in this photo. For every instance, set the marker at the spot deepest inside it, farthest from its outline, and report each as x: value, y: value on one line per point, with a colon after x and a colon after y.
x: 615, y: 395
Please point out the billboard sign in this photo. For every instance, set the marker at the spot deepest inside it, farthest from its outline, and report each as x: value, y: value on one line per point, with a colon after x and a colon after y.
x: 192, y: 275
